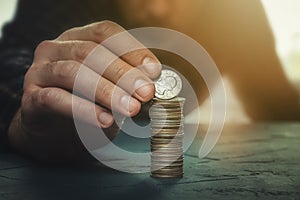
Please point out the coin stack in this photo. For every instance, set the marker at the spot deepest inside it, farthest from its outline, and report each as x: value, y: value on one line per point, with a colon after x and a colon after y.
x: 167, y: 138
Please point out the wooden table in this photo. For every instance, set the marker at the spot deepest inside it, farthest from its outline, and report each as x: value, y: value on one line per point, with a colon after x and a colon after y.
x: 260, y: 161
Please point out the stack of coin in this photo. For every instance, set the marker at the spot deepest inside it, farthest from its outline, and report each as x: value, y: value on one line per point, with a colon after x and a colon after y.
x: 167, y: 138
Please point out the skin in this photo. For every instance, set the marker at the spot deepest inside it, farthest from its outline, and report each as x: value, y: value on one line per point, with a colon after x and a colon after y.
x: 235, y: 33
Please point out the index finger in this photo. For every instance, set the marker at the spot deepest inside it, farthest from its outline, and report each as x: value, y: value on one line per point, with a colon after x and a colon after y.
x: 120, y: 42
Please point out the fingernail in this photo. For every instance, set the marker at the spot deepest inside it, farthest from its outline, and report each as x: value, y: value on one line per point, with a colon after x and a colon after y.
x: 130, y: 105
x: 144, y: 89
x: 151, y: 66
x: 105, y: 118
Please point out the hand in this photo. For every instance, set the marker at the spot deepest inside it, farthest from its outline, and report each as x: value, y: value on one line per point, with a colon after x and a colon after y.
x: 44, y: 126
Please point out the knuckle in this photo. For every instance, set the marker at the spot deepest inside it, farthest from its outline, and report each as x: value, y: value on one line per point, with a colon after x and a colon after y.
x: 42, y: 48
x: 32, y: 74
x: 67, y: 35
x: 105, y: 24
x: 105, y: 27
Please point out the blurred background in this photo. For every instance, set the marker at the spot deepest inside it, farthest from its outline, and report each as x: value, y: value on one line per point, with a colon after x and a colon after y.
x: 284, y: 17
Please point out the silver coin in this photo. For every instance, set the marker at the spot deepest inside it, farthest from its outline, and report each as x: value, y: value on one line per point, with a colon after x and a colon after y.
x: 167, y: 173
x: 168, y: 85
x: 158, y: 113
x: 166, y: 140
x: 167, y: 157
x: 172, y: 132
x: 167, y: 135
x: 166, y: 123
x: 159, y: 156
x: 164, y: 126
x: 163, y: 117
x: 166, y: 110
x: 177, y: 170
x: 167, y: 168
x: 166, y: 151
x: 173, y: 168
x: 166, y: 117
x: 167, y: 164
x: 153, y: 175
x: 170, y: 162
x: 161, y: 133
x: 165, y: 147
x: 167, y: 130
x: 159, y: 149
x: 170, y: 150
x: 175, y: 100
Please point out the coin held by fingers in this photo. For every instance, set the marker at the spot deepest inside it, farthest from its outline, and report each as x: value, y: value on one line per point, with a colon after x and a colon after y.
x: 168, y: 85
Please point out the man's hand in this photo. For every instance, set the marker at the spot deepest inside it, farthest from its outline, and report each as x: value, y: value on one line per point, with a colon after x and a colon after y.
x: 44, y: 127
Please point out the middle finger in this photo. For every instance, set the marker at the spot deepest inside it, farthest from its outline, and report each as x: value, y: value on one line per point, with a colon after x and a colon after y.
x: 102, y: 61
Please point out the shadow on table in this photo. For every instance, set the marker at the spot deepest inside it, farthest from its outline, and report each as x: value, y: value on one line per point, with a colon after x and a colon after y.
x: 91, y: 182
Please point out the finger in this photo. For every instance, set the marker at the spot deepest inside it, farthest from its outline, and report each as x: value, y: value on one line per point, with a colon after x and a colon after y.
x: 102, y: 61
x: 120, y: 42
x: 72, y: 75
x: 132, y: 80
x: 62, y: 102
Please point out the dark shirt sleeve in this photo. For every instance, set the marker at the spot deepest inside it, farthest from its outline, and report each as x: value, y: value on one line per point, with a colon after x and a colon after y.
x: 15, y: 59
x: 35, y: 21
x: 14, y: 64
